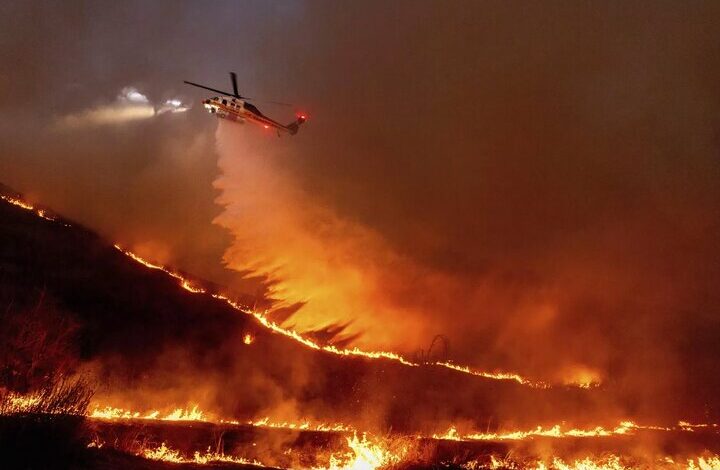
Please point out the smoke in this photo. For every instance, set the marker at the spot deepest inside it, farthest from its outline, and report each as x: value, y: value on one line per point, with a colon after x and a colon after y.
x: 330, y: 270
x: 333, y: 268
x: 130, y: 105
x: 538, y: 184
x: 547, y: 203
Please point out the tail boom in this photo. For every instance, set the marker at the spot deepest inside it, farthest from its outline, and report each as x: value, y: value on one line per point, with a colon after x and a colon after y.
x: 294, y: 126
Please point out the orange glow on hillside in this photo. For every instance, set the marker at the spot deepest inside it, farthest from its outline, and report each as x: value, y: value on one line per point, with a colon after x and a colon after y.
x: 261, y: 317
x: 192, y: 287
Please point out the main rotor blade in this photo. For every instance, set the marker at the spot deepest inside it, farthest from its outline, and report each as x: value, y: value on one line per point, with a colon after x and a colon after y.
x: 208, y: 88
x: 233, y: 79
x: 237, y: 95
x: 279, y: 103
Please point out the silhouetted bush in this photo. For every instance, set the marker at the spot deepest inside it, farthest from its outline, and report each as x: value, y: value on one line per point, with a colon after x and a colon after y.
x: 42, y: 422
x: 37, y: 341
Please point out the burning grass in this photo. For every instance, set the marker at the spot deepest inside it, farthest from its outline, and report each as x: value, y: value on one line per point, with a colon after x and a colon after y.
x: 66, y: 397
x: 262, y: 318
x: 362, y: 453
x: 178, y: 414
x: 41, y: 417
x: 370, y: 453
x: 365, y: 453
x: 164, y: 453
x: 606, y: 462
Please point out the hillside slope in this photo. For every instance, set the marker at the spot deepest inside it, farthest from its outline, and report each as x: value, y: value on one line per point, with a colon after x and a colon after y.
x: 148, y: 344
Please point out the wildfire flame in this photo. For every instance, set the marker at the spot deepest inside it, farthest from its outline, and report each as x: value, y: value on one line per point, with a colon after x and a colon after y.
x: 178, y: 414
x: 498, y: 375
x: 303, y: 425
x: 261, y: 317
x: 704, y: 463
x: 452, y: 434
x: 42, y: 213
x: 610, y: 462
x: 110, y: 413
x: 369, y: 452
x: 13, y: 403
x: 363, y: 454
x: 371, y: 455
x: 623, y: 428
x: 165, y: 453
x: 685, y: 426
x: 366, y: 454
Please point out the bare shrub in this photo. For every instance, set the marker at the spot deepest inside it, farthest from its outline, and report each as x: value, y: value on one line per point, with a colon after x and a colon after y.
x: 37, y: 346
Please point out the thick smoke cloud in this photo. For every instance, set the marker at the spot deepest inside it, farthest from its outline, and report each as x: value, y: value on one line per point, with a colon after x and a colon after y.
x: 538, y: 182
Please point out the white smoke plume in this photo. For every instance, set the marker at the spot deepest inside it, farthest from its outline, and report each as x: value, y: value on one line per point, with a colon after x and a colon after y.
x: 310, y: 255
x: 129, y: 105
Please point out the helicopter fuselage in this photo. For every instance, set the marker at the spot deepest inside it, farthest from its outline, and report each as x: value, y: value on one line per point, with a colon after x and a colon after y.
x: 234, y: 109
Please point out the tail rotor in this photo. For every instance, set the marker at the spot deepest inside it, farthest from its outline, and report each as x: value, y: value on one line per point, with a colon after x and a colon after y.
x: 294, y: 126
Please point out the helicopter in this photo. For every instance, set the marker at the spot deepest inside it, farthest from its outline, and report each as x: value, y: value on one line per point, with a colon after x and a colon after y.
x: 234, y: 107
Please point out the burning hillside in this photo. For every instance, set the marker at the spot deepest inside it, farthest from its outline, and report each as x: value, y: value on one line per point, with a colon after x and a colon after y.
x: 168, y: 357
x: 158, y: 327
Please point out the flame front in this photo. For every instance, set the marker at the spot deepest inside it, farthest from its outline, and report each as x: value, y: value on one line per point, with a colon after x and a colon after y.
x: 14, y: 403
x: 42, y: 213
x: 165, y: 453
x: 261, y: 317
x: 178, y: 414
x: 610, y: 462
x: 623, y: 428
x: 366, y: 454
x: 110, y: 413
